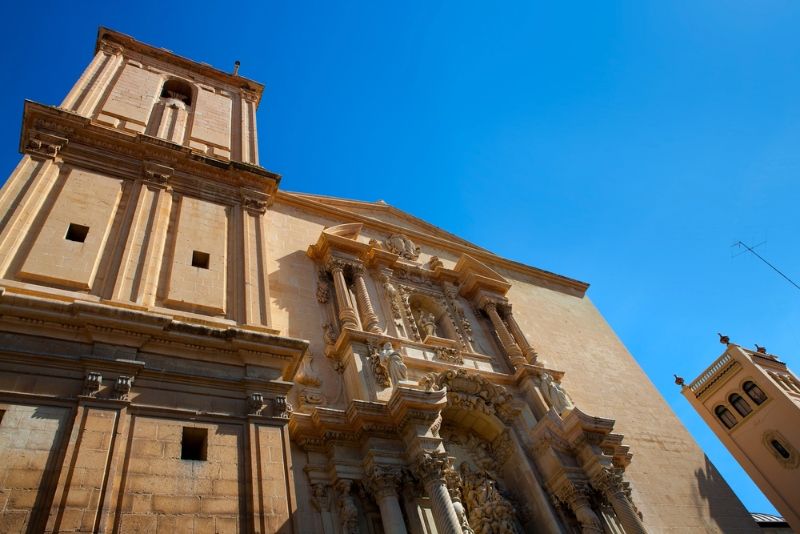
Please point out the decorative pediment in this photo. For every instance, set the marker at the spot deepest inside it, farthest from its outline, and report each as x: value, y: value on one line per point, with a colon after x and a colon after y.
x: 475, y: 277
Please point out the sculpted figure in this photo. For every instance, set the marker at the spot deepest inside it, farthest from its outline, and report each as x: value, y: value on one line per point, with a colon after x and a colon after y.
x: 555, y: 395
x: 428, y: 322
x: 393, y: 362
x: 403, y: 246
x: 489, y: 511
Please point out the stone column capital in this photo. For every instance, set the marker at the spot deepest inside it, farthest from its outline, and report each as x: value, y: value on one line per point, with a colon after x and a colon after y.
x: 432, y: 467
x: 384, y: 480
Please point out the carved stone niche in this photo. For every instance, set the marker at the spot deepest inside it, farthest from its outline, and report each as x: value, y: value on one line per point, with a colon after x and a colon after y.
x: 433, y: 322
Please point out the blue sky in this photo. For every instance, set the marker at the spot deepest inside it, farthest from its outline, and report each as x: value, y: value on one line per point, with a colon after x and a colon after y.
x: 627, y: 144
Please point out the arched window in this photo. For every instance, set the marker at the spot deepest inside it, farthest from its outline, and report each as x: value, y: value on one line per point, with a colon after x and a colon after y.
x: 177, y: 90
x: 725, y: 416
x: 754, y: 392
x: 740, y: 404
x: 779, y: 448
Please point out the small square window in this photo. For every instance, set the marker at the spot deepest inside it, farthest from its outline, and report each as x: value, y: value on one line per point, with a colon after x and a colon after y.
x: 200, y: 259
x: 77, y: 232
x: 194, y: 444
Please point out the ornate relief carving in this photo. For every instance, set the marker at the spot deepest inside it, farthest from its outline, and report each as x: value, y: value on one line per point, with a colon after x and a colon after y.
x: 435, y: 263
x: 91, y: 384
x: 488, y: 510
x: 379, y: 368
x: 465, y: 388
x: 401, y: 245
x: 432, y: 467
x: 122, y: 387
x: 405, y: 296
x: 156, y: 173
x: 555, y: 395
x: 256, y: 204
x: 282, y: 408
x: 329, y: 333
x: 323, y: 287
x: 346, y: 506
x: 449, y: 355
x: 256, y: 404
x: 384, y: 480
x: 391, y: 292
x: 45, y: 145
x: 321, y: 497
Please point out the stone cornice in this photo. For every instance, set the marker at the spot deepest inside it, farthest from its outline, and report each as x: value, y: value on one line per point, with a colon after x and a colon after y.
x: 148, y: 331
x: 127, y: 155
x: 129, y: 44
x: 298, y: 200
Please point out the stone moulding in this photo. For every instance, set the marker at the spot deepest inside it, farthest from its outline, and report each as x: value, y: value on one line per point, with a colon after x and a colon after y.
x: 108, y: 150
x: 153, y: 332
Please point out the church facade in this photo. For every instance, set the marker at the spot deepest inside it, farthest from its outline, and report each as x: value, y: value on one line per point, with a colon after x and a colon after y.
x: 187, y: 347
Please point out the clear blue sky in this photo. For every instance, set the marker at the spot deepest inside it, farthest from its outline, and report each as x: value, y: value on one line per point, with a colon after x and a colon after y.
x: 627, y: 144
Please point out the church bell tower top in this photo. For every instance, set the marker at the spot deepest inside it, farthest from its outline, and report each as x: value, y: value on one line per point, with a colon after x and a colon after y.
x: 107, y: 37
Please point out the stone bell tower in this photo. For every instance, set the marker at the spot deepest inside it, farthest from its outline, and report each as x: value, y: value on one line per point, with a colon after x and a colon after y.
x: 139, y: 364
x: 144, y: 186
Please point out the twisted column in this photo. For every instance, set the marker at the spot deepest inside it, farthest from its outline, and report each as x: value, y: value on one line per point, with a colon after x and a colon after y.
x: 614, y: 490
x: 368, y: 316
x: 347, y: 315
x: 431, y: 469
x: 574, y: 495
x: 510, y: 346
x: 528, y: 351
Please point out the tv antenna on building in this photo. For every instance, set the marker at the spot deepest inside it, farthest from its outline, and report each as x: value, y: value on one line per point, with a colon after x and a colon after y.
x: 756, y: 254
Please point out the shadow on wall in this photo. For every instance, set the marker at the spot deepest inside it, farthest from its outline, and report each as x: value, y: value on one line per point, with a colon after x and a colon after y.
x: 292, y: 288
x: 719, y: 498
x: 55, y: 459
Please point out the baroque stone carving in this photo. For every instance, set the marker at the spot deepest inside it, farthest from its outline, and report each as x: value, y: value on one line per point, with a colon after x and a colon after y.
x: 449, y: 355
x: 122, y: 387
x: 384, y: 480
x: 346, y: 506
x: 379, y: 368
x: 472, y: 391
x: 427, y: 323
x: 435, y: 263
x: 489, y: 512
x: 555, y: 395
x: 282, y: 408
x: 321, y: 497
x: 393, y: 362
x: 323, y: 287
x: 432, y: 466
x: 156, y: 173
x: 91, y: 384
x: 402, y: 246
x: 256, y: 404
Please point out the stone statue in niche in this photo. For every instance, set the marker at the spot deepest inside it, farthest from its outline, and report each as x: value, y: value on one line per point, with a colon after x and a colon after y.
x: 488, y: 510
x: 427, y: 323
x: 393, y: 361
x: 402, y: 246
x: 555, y: 395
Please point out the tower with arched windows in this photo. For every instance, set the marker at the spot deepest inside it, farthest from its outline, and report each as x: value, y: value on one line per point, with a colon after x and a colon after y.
x: 751, y: 400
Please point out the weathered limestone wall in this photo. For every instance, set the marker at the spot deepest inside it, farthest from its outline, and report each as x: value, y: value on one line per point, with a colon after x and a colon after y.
x: 30, y: 445
x: 161, y: 492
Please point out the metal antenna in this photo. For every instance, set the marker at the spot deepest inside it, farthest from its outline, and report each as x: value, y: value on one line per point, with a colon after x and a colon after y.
x: 750, y: 249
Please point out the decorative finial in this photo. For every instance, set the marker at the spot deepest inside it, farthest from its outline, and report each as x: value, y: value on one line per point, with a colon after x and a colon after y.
x: 236, y: 67
x: 679, y: 380
x: 760, y: 349
x: 725, y: 340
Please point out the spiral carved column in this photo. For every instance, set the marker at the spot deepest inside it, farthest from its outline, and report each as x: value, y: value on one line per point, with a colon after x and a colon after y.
x: 431, y: 469
x: 510, y: 346
x: 528, y: 351
x: 347, y: 315
x: 368, y: 316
